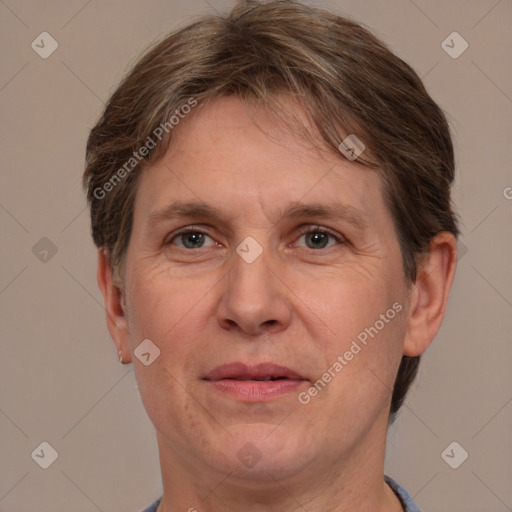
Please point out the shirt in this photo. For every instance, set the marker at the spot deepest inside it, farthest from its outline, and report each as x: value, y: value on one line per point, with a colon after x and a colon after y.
x: 407, y: 502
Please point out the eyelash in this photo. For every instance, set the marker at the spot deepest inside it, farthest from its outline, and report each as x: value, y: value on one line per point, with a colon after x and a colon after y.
x: 310, y: 229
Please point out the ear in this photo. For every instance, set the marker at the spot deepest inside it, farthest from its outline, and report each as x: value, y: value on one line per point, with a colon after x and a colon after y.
x: 114, y: 306
x: 429, y: 294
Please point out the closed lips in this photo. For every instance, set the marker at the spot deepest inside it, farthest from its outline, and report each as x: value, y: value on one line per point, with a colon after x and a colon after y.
x: 259, y: 372
x: 257, y: 378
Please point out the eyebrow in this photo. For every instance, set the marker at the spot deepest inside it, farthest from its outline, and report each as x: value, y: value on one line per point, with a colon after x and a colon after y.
x: 198, y: 209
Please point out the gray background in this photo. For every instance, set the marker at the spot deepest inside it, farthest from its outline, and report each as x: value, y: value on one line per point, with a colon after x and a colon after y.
x: 60, y: 379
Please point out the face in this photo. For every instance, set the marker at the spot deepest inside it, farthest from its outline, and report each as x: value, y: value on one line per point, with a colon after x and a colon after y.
x: 292, y: 273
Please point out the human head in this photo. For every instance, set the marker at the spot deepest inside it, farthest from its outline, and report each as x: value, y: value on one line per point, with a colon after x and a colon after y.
x: 346, y: 81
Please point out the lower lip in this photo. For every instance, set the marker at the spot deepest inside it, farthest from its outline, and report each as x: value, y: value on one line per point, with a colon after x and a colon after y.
x: 256, y: 390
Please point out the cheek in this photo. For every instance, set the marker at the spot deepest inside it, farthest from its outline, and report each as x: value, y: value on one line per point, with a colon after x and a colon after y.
x: 170, y: 313
x: 366, y: 319
x: 162, y: 307
x: 355, y: 300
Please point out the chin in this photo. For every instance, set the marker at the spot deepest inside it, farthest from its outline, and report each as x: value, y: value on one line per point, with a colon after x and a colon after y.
x: 260, y: 453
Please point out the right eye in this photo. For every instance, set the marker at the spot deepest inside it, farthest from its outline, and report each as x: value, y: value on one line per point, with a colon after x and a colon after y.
x: 190, y: 238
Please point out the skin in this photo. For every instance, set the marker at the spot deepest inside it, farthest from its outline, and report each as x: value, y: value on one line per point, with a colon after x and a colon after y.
x: 300, y: 304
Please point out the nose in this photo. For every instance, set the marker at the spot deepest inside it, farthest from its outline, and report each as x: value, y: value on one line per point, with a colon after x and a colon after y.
x: 255, y: 299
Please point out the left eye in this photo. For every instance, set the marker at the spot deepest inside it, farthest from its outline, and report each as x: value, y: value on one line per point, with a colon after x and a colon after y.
x: 319, y: 238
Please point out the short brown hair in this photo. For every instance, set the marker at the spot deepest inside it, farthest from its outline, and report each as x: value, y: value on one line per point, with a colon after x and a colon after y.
x: 347, y: 81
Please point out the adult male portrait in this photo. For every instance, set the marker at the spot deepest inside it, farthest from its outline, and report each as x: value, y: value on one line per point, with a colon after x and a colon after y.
x: 270, y: 199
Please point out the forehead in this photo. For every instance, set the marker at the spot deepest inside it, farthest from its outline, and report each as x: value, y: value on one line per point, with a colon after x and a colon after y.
x: 239, y: 161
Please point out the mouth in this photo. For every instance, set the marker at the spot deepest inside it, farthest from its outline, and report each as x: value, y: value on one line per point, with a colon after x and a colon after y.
x: 255, y: 383
x: 259, y: 372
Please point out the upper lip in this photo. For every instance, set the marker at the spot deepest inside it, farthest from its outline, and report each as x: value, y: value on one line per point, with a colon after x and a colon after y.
x: 262, y: 371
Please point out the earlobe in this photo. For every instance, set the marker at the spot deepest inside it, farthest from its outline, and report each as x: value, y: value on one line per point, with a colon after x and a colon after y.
x: 429, y: 294
x: 115, y: 306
